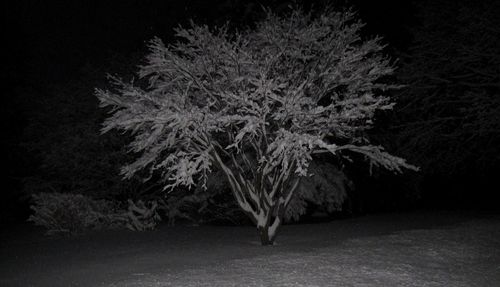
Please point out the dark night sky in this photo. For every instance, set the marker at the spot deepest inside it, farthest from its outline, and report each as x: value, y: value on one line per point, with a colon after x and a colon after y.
x: 51, y: 41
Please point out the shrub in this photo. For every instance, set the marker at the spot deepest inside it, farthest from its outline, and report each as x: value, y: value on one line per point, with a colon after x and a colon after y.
x: 325, y: 190
x: 140, y: 215
x: 201, y: 207
x: 67, y: 213
x: 74, y: 214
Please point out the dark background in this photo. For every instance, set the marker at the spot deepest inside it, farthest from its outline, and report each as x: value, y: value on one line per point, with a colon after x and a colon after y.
x: 52, y: 48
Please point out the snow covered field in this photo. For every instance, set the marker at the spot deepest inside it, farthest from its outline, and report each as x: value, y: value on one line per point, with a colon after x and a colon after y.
x: 410, y: 249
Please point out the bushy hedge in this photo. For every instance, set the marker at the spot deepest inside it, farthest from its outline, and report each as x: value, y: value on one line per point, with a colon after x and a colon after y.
x: 74, y: 214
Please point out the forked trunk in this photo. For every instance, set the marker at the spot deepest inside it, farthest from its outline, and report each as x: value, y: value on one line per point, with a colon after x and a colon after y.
x: 267, y: 227
x: 265, y: 208
x: 265, y: 237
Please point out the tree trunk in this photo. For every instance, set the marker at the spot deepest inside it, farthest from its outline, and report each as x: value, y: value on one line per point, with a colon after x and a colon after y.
x: 264, y: 208
x: 265, y: 237
x: 268, y: 227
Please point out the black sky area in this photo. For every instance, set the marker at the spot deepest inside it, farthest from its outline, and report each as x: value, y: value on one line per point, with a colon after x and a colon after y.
x: 48, y: 43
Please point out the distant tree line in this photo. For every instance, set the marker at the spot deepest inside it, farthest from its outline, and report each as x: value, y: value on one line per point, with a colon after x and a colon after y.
x: 447, y: 119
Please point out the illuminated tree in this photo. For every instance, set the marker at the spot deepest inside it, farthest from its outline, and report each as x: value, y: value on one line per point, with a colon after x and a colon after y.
x: 259, y: 105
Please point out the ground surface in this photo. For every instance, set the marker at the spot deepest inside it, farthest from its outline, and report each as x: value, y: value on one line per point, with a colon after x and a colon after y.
x: 408, y: 249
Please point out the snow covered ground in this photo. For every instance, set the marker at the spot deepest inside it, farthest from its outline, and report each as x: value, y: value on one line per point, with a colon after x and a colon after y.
x: 412, y: 249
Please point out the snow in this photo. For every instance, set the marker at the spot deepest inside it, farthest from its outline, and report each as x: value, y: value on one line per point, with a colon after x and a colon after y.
x: 443, y: 257
x: 412, y: 249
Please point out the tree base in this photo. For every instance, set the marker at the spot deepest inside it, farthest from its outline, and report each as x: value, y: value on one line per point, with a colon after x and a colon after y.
x: 265, y: 238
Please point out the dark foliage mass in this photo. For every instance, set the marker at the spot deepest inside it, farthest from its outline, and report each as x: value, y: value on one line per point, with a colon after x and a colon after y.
x: 448, y: 117
x: 63, y: 136
x: 452, y: 72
